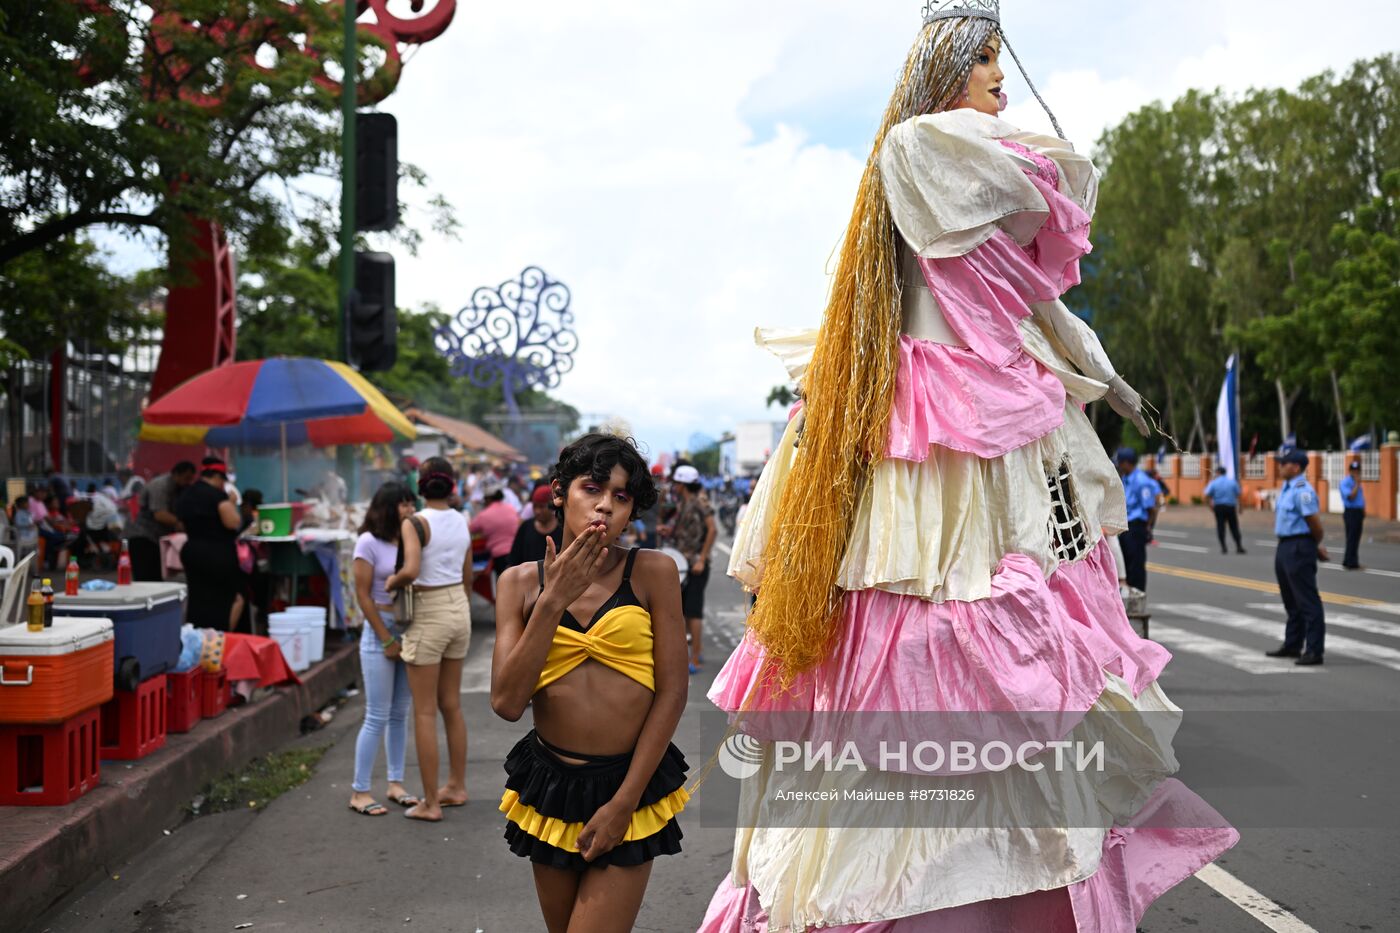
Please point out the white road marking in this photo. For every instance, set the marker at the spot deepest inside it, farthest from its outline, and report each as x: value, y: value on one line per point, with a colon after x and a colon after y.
x: 1345, y: 620
x: 723, y: 548
x: 1164, y: 533
x: 1371, y: 570
x: 1270, y: 628
x: 1249, y: 660
x: 1264, y: 909
x: 1272, y: 544
x: 476, y: 673
x: 1189, y: 548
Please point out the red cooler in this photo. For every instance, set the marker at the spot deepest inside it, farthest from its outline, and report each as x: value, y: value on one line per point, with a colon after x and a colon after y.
x: 51, y: 676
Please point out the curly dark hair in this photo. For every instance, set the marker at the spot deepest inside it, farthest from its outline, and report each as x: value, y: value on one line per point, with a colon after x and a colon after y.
x: 436, y: 479
x: 594, y: 456
x: 382, y: 517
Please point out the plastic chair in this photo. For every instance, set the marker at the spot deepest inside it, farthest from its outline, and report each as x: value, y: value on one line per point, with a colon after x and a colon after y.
x: 16, y: 589
x: 7, y: 558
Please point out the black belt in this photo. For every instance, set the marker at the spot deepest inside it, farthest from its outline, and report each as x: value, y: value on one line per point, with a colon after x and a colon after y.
x: 1303, y: 537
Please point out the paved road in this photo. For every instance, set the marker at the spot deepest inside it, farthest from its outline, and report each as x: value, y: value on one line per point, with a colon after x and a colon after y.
x: 1302, y: 759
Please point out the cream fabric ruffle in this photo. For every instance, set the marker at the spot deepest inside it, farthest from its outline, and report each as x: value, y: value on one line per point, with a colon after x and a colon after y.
x: 937, y: 529
x: 827, y: 863
x: 898, y: 485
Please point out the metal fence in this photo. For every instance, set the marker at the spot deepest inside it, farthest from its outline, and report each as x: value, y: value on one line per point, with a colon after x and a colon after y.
x: 1256, y: 467
x: 1334, y: 465
x: 1191, y: 466
x: 103, y: 394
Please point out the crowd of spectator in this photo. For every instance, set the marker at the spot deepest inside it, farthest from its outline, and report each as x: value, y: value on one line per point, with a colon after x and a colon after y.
x: 60, y: 520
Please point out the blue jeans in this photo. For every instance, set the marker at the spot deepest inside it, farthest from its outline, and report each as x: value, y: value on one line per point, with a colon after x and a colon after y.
x: 387, y: 700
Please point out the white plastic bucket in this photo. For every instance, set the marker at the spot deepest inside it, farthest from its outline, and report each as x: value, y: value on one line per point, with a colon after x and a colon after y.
x: 313, y: 622
x: 315, y: 635
x: 290, y: 632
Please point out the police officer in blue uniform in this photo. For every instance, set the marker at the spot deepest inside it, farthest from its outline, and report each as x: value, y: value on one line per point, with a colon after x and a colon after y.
x: 1353, y: 514
x: 1223, y: 496
x: 1299, y: 532
x: 1140, y: 491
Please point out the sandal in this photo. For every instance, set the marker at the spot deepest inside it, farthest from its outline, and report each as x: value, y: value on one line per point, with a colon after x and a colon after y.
x: 404, y: 800
x: 373, y: 808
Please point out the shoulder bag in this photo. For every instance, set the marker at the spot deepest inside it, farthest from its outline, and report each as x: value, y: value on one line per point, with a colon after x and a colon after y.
x: 403, y: 597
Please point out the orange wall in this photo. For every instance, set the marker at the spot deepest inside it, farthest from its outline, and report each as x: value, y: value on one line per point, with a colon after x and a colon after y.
x: 1380, y: 494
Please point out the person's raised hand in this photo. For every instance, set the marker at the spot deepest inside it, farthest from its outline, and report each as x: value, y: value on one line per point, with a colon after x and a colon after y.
x: 567, y: 575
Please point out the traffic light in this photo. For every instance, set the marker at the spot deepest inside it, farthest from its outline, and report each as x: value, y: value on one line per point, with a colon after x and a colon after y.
x: 374, y: 319
x: 376, y: 172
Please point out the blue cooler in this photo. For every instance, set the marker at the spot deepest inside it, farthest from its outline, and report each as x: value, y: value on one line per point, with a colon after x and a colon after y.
x: 146, y: 618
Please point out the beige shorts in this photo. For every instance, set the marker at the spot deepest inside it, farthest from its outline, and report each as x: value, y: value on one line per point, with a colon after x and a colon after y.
x: 441, y: 629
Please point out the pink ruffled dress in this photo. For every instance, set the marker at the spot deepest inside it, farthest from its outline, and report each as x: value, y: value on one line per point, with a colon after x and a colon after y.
x: 978, y: 582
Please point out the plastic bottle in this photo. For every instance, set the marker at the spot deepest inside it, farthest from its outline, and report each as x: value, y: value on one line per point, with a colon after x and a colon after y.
x: 34, y: 606
x: 124, y: 566
x: 70, y: 578
x: 47, y: 593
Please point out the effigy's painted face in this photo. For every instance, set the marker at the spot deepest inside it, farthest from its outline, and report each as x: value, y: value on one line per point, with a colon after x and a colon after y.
x: 985, y: 82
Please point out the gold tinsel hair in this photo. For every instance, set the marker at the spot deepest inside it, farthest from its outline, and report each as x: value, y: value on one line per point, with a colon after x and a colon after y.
x: 849, y: 386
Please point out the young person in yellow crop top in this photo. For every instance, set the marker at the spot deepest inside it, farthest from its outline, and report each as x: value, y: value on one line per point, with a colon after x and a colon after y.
x: 592, y: 639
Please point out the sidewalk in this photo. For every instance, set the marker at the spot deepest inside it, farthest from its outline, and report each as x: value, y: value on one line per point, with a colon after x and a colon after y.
x: 49, y: 851
x: 307, y: 862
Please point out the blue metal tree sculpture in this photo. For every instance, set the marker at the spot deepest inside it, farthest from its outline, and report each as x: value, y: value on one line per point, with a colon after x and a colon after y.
x: 518, y: 335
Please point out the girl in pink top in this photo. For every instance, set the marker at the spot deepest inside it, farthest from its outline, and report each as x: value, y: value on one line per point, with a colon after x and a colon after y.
x: 498, y: 522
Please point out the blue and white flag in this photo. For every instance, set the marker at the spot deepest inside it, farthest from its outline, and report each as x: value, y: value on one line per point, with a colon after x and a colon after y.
x: 1227, y: 427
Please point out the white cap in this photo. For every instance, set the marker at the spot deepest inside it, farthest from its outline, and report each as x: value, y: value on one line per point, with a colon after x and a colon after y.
x: 686, y: 474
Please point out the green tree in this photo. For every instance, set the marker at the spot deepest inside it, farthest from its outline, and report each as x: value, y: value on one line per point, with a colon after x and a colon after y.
x: 1157, y: 234
x: 116, y: 115
x: 60, y: 289
x: 1352, y: 311
x: 706, y: 460
x: 1214, y: 225
x: 782, y: 396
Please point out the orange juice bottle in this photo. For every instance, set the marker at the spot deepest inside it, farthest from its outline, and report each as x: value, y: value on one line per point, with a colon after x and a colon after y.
x: 34, y: 606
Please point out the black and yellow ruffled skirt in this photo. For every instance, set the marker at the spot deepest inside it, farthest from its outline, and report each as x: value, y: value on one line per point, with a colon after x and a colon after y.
x: 548, y: 802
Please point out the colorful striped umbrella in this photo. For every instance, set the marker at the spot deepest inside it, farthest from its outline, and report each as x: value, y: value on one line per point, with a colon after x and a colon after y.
x: 276, y: 403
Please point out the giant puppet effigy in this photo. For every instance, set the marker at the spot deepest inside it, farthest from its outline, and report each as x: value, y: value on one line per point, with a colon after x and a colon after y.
x: 930, y: 552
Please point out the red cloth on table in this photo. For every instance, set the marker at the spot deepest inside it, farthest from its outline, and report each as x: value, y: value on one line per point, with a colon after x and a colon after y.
x: 252, y: 657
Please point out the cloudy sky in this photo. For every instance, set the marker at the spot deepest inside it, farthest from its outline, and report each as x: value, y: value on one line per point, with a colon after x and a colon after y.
x: 687, y: 167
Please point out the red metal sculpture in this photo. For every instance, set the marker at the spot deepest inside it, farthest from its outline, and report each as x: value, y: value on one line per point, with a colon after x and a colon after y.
x: 201, y: 318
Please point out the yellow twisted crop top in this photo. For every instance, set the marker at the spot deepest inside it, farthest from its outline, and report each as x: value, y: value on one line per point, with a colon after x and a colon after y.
x: 618, y: 636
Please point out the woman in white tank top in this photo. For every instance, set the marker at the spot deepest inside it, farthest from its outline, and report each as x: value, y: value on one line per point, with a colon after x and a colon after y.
x: 435, y: 643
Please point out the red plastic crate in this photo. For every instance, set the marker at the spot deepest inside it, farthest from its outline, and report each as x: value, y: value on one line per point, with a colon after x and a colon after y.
x: 217, y: 693
x: 184, y: 700
x: 48, y: 766
x: 133, y: 721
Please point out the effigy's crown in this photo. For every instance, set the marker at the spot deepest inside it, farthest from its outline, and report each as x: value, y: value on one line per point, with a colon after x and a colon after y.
x: 953, y: 9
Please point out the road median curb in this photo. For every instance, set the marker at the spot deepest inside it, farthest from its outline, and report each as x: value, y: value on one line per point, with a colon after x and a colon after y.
x: 48, y: 851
